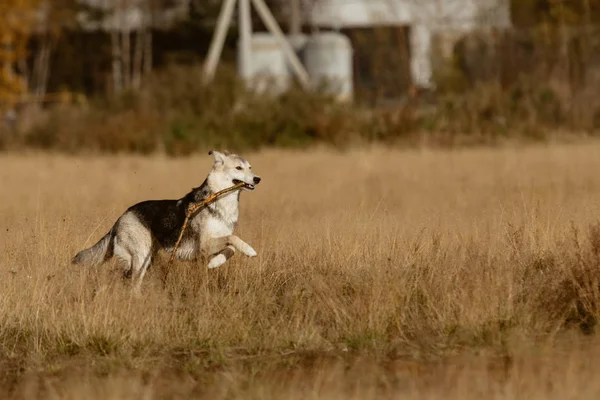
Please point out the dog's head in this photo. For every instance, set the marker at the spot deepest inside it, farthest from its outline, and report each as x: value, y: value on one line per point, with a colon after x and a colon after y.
x: 230, y: 169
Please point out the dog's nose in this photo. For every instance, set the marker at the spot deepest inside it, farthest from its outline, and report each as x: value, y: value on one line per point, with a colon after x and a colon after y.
x: 256, y: 180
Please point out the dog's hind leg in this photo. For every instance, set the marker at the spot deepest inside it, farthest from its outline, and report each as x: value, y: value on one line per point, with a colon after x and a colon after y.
x: 222, y: 257
x: 133, y: 243
x: 125, y: 259
x: 140, y: 267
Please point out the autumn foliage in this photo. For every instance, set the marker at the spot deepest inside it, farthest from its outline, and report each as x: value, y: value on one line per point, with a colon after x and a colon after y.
x: 17, y: 21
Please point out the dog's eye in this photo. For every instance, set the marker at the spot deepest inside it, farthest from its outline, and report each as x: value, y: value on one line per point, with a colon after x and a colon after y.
x: 238, y: 168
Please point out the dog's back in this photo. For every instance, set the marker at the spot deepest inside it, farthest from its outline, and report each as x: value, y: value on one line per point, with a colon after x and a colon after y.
x: 163, y: 218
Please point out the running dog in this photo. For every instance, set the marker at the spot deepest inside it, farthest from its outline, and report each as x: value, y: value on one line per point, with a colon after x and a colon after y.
x: 150, y: 226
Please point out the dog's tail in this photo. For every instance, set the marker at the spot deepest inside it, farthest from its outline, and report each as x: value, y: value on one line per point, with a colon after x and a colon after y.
x: 96, y: 254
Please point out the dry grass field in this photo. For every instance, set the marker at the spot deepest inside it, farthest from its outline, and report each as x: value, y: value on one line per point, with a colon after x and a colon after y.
x: 381, y: 274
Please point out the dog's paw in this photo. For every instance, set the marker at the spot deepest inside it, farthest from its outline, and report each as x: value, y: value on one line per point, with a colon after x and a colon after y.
x: 217, y: 261
x: 247, y: 250
x: 251, y: 252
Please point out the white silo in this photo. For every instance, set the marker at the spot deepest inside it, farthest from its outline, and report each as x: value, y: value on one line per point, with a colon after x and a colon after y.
x: 267, y: 69
x: 328, y: 60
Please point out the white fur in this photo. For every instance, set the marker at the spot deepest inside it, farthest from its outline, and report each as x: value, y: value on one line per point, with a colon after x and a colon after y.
x: 188, y: 249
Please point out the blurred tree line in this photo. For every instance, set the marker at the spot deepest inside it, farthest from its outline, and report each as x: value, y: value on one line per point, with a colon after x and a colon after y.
x: 529, y: 13
x: 46, y: 47
x: 92, y: 46
x: 566, y: 34
x: 540, y: 76
x: 29, y: 30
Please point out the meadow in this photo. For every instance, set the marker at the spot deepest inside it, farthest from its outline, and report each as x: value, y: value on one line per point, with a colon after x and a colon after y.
x: 382, y: 273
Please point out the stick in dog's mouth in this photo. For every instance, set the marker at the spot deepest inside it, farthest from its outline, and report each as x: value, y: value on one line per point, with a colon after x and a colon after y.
x: 247, y: 186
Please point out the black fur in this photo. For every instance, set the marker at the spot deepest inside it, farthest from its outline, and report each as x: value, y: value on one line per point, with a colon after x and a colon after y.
x: 164, y: 218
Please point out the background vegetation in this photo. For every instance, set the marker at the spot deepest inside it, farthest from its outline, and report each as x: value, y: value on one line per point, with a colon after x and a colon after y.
x: 536, y: 81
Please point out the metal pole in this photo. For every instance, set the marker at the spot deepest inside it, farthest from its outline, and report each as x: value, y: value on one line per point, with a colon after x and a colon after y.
x: 272, y: 25
x: 216, y: 45
x: 245, y: 22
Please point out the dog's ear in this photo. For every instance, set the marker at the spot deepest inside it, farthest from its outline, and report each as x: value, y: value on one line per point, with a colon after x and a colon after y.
x: 219, y: 157
x: 227, y: 153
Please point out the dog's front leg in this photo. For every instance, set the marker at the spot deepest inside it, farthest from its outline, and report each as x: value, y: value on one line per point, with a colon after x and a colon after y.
x: 215, y: 245
x: 242, y: 246
x: 218, y: 250
x: 223, y: 248
x: 222, y: 257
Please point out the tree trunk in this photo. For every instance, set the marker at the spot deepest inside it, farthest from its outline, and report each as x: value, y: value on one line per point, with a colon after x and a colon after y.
x: 44, y: 69
x: 138, y: 58
x: 36, y: 74
x: 148, y: 50
x: 41, y: 68
x: 25, y: 73
x: 116, y: 61
x: 295, y: 18
x: 126, y: 56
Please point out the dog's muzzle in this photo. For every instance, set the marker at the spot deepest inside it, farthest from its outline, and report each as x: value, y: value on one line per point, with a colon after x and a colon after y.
x: 248, y: 186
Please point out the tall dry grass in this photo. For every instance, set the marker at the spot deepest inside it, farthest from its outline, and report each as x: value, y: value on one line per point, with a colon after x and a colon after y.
x: 458, y: 274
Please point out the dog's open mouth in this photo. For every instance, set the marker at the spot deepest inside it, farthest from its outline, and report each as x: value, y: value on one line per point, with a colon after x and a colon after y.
x: 246, y: 186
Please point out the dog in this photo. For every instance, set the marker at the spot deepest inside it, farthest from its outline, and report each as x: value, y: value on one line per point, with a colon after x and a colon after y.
x: 154, y: 225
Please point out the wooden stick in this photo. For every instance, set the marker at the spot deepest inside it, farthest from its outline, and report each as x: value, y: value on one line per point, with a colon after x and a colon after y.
x: 192, y: 208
